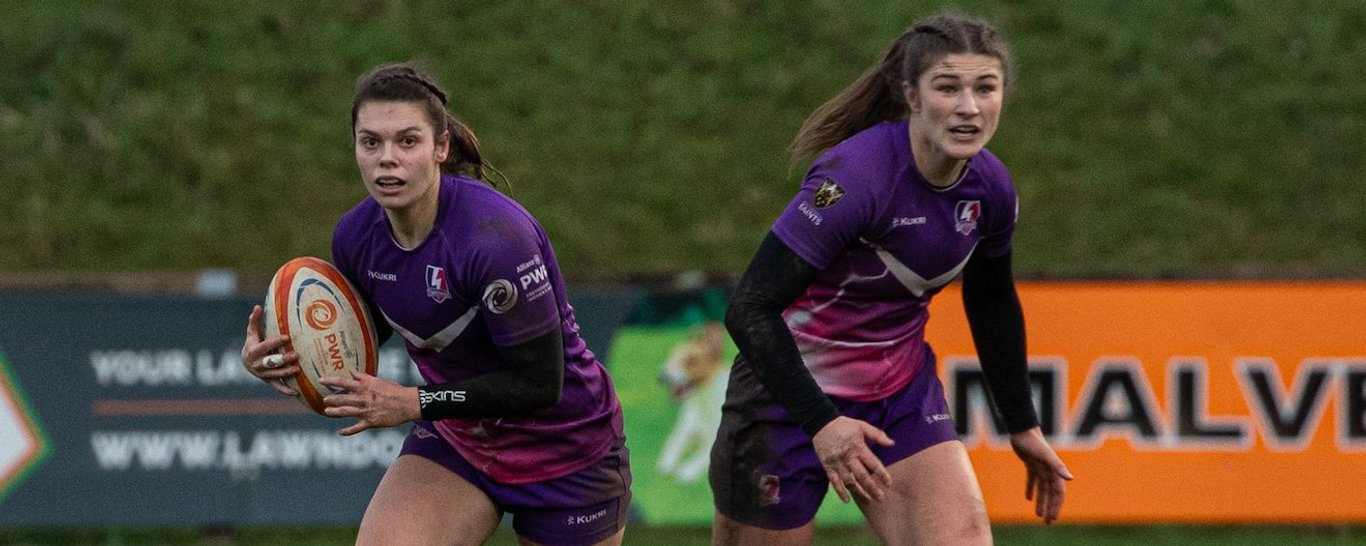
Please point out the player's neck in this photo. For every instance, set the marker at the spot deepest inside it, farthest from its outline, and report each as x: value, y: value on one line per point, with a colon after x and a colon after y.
x: 410, y: 226
x: 939, y: 170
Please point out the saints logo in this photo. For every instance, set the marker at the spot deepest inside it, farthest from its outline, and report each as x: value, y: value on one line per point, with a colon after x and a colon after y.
x: 829, y: 194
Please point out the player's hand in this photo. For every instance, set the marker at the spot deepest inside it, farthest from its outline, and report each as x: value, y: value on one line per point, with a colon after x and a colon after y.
x: 263, y: 359
x: 842, y: 446
x: 374, y: 402
x: 1047, y: 476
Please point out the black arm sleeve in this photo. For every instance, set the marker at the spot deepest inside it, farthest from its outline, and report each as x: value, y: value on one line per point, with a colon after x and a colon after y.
x: 998, y: 331
x: 776, y: 277
x: 531, y: 379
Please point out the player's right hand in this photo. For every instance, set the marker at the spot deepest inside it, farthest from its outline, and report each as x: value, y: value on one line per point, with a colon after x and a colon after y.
x: 850, y: 465
x: 262, y: 358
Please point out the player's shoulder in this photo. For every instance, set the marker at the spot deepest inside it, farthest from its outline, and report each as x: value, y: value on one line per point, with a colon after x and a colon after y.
x: 480, y: 215
x: 358, y: 222
x: 991, y: 167
x: 868, y: 159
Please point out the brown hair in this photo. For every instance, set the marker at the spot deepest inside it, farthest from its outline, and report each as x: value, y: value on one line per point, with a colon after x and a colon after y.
x: 876, y: 95
x: 409, y: 82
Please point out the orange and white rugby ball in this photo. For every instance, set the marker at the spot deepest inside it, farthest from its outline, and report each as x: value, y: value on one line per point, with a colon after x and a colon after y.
x: 328, y: 325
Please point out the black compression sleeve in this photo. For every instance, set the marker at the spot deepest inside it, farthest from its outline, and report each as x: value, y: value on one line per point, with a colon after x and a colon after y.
x: 998, y: 331
x: 776, y: 277
x: 531, y: 379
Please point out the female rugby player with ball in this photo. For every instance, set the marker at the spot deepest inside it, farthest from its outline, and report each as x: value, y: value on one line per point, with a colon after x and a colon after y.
x: 516, y: 415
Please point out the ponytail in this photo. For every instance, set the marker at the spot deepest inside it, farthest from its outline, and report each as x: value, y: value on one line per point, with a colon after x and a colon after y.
x: 464, y: 156
x: 874, y: 97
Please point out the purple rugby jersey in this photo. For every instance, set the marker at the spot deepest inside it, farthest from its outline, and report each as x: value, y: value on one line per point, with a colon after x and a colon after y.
x: 886, y: 242
x: 486, y: 276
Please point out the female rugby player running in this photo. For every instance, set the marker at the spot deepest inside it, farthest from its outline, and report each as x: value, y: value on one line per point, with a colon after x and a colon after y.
x: 516, y: 415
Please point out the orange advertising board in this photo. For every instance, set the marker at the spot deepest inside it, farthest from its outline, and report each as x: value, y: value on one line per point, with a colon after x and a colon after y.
x: 1180, y: 401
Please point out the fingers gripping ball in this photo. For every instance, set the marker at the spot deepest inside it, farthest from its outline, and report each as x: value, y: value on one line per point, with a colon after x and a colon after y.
x: 328, y: 324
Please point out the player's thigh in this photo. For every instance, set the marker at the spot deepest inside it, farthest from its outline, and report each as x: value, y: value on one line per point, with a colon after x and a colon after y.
x: 421, y: 502
x: 935, y: 499
x: 729, y: 532
x: 614, y: 540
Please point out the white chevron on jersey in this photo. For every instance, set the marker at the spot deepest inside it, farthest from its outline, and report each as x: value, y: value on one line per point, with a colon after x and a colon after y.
x: 910, y: 279
x: 440, y: 340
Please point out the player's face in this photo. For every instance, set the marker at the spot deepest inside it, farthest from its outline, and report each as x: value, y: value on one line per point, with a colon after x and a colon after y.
x: 399, y: 153
x: 956, y: 106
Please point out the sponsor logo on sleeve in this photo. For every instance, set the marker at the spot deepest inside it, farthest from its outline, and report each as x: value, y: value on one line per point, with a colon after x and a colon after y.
x: 438, y: 287
x: 534, y: 278
x: 828, y: 194
x: 500, y: 296
x: 967, y: 214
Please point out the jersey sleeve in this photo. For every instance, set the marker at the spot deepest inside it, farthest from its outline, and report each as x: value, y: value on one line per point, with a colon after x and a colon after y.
x: 1001, y: 215
x: 834, y: 207
x: 508, y: 277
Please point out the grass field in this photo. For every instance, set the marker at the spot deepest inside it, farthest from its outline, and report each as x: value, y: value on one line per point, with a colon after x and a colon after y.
x: 1204, y: 137
x: 1037, y: 535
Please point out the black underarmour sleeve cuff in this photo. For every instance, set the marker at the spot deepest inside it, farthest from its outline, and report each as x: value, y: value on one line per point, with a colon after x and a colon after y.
x: 531, y: 379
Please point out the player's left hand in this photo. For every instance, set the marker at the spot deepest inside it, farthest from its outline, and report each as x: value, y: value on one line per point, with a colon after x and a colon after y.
x: 1047, y: 476
x: 374, y: 402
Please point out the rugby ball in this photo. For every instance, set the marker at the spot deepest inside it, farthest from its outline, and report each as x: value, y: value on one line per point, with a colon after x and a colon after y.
x: 328, y: 325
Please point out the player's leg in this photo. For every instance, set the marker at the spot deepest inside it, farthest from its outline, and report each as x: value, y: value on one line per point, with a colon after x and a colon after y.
x: 584, y: 508
x: 421, y: 502
x: 934, y: 499
x: 729, y: 532
x: 614, y: 540
x: 767, y: 482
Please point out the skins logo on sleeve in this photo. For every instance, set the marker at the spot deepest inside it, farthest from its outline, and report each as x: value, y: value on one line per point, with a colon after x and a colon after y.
x: 828, y: 194
x: 500, y: 296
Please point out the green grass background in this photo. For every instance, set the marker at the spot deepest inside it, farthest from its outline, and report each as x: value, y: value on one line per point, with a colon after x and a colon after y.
x: 1214, y: 138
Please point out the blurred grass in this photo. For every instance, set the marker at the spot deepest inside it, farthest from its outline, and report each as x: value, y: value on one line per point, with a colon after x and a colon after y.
x: 1031, y: 535
x: 1192, y: 138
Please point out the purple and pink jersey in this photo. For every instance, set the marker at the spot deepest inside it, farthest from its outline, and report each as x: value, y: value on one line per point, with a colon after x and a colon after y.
x: 485, y: 277
x: 886, y: 241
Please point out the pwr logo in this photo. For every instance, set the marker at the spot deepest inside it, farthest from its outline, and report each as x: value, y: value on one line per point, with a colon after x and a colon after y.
x: 22, y: 444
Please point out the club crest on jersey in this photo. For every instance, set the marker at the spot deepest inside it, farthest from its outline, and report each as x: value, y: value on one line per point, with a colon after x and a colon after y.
x: 828, y: 194
x: 438, y: 288
x: 500, y: 296
x: 967, y: 213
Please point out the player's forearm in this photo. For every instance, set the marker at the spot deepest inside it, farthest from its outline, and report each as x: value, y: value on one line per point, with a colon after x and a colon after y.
x: 997, y: 324
x: 776, y: 278
x: 532, y: 381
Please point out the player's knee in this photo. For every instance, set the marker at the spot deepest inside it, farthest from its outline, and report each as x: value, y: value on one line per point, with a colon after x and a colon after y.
x: 974, y: 528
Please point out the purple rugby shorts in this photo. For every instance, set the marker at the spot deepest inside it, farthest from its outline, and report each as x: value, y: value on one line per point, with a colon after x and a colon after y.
x: 584, y: 507
x: 764, y: 470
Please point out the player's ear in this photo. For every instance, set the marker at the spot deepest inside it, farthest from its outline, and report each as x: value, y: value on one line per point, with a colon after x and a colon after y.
x: 443, y: 146
x: 912, y: 96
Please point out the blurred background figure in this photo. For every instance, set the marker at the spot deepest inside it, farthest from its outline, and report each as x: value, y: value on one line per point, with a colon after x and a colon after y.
x: 695, y: 375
